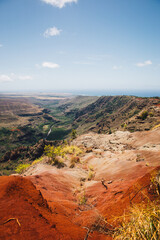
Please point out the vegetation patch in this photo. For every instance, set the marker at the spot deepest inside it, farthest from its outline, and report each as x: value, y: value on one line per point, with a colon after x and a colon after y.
x: 143, y: 115
x: 57, y: 155
x: 37, y: 161
x: 21, y: 168
x: 144, y: 223
x: 82, y: 199
x: 72, y: 150
x: 58, y: 134
x: 157, y: 126
x: 91, y: 173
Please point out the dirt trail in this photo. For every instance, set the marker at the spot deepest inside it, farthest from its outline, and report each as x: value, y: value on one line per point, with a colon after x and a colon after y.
x: 53, y: 203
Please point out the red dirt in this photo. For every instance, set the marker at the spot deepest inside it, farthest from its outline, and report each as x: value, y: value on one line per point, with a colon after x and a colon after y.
x: 47, y: 204
x: 60, y: 217
x: 20, y: 199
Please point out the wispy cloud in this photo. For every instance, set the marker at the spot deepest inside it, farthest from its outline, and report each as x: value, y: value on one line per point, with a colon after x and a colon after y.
x: 83, y: 63
x: 1, y: 45
x: 143, y: 64
x: 13, y: 77
x: 50, y: 65
x: 50, y: 32
x: 20, y: 77
x: 5, y: 78
x: 117, y: 67
x: 59, y: 3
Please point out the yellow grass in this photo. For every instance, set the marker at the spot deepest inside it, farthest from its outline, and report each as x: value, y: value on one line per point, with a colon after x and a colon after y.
x: 157, y: 126
x: 144, y: 223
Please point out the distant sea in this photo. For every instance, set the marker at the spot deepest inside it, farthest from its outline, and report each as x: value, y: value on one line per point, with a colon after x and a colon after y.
x: 105, y: 92
x: 137, y: 93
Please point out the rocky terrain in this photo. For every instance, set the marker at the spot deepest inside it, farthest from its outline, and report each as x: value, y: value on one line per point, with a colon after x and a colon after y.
x: 84, y: 202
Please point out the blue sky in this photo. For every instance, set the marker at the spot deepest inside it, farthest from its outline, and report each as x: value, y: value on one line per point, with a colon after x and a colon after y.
x: 49, y: 45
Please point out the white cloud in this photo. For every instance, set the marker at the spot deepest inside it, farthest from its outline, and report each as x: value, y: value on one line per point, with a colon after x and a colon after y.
x: 21, y: 77
x: 1, y: 45
x: 117, y: 67
x: 5, y: 78
x: 50, y: 32
x: 25, y: 77
x: 13, y: 77
x: 143, y: 64
x: 59, y: 3
x: 50, y: 65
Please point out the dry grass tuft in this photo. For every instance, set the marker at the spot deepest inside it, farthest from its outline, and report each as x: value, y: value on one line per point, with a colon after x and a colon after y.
x: 144, y: 223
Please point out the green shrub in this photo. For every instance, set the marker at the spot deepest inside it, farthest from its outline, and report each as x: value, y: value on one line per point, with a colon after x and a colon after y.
x: 71, y: 150
x: 82, y: 199
x: 54, y: 154
x: 21, y: 168
x: 110, y: 131
x: 144, y: 115
x: 90, y: 175
x: 151, y: 114
x: 37, y: 161
x: 73, y: 134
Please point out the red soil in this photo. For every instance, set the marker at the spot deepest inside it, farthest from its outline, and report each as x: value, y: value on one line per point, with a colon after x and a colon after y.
x: 21, y: 200
x: 60, y: 217
x: 47, y: 205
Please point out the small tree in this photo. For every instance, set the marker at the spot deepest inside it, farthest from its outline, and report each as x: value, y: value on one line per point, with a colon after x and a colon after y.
x: 144, y: 115
x: 73, y: 134
x: 50, y: 151
x: 54, y: 154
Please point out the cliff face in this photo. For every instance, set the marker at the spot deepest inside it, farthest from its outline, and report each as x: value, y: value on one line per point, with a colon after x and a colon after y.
x: 118, y: 112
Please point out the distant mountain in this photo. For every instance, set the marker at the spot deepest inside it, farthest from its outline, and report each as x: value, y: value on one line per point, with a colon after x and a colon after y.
x: 110, y: 113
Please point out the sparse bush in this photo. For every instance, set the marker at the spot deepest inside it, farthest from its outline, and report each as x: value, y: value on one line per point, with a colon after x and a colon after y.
x: 49, y: 151
x: 151, y: 114
x: 91, y: 168
x: 157, y: 126
x: 54, y: 154
x: 75, y: 159
x: 37, y: 161
x: 57, y: 154
x: 73, y: 134
x: 72, y: 150
x: 124, y: 125
x: 110, y: 131
x: 82, y: 199
x: 155, y: 180
x: 91, y: 173
x: 143, y: 115
x: 21, y: 168
x: 144, y: 223
x: 72, y: 165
